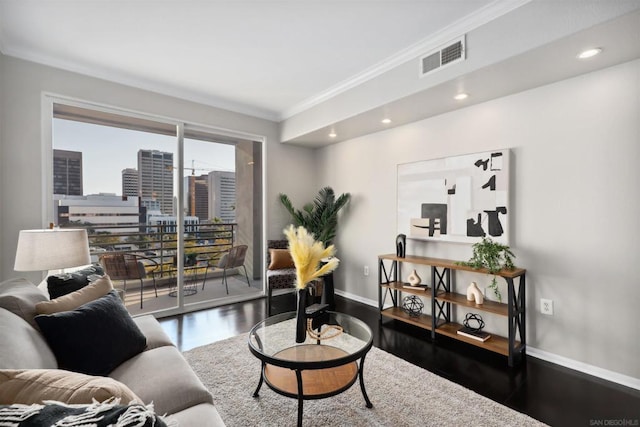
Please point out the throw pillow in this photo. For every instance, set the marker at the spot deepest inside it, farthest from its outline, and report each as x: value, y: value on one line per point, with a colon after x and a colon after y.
x: 62, y: 284
x: 29, y: 386
x: 73, y: 300
x: 94, y: 338
x: 106, y: 414
x: 280, y: 258
x: 20, y: 296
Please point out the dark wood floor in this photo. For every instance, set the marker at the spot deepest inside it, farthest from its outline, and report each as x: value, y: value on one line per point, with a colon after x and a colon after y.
x: 550, y: 393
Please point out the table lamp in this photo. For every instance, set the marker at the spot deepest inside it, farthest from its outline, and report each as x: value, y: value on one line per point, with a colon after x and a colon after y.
x: 52, y: 249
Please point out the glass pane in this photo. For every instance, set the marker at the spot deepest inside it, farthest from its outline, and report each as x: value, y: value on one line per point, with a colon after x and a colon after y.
x: 120, y: 184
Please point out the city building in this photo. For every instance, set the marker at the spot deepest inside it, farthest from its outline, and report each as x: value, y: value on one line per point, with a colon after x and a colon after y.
x: 130, y: 183
x: 168, y: 223
x: 101, y: 210
x: 222, y: 195
x: 196, y: 191
x: 67, y: 172
x: 155, y: 178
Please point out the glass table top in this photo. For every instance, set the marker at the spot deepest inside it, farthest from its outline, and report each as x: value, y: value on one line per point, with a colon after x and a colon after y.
x: 274, y: 340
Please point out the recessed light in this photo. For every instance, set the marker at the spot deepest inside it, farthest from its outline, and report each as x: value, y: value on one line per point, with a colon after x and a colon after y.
x: 589, y: 53
x: 386, y: 121
x: 461, y: 96
x: 332, y: 134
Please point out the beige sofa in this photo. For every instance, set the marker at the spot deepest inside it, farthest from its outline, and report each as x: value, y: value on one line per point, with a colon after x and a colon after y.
x: 159, y: 374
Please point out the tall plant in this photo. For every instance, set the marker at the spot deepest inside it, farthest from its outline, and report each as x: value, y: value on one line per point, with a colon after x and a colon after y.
x: 319, y: 217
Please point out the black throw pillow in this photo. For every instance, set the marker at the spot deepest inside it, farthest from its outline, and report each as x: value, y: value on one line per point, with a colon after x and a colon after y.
x: 65, y: 283
x: 94, y: 338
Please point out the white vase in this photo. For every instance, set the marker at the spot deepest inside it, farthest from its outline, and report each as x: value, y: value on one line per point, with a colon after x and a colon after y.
x: 474, y: 293
x: 414, y: 279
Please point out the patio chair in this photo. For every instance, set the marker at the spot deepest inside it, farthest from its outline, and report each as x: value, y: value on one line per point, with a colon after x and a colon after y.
x: 233, y: 259
x: 130, y: 267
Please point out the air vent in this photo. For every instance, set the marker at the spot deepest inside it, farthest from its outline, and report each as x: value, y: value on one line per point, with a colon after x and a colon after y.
x: 446, y: 55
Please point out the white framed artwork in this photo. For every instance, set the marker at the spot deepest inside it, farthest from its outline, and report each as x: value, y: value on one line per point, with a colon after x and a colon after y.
x: 455, y: 199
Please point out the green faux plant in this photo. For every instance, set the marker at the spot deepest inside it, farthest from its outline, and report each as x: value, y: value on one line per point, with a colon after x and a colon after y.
x: 494, y: 257
x: 319, y: 217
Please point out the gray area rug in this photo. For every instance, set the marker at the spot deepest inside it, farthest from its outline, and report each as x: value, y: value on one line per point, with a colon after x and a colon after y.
x: 402, y: 395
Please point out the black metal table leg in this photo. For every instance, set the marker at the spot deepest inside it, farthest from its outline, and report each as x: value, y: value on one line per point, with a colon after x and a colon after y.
x: 300, y: 396
x: 364, y: 392
x: 255, y: 393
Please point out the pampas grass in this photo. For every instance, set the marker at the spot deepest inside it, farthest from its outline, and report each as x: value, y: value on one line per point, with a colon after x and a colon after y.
x: 307, y: 254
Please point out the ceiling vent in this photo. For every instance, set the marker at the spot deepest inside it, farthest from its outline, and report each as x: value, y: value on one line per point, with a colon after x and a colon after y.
x: 449, y: 54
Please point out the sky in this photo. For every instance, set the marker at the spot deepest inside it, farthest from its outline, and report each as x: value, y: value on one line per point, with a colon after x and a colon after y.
x: 106, y: 151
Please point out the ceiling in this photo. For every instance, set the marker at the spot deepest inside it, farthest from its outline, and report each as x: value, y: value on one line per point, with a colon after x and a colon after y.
x: 296, y: 61
x: 260, y: 57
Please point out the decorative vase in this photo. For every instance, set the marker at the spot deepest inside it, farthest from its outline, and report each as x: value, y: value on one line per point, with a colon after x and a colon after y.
x: 474, y: 293
x: 301, y: 317
x: 414, y: 279
x: 401, y: 244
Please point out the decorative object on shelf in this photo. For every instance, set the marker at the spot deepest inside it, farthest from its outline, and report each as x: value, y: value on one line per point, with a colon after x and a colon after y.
x: 414, y: 279
x: 474, y: 293
x: 307, y: 254
x: 455, y: 199
x: 401, y: 245
x: 412, y: 305
x: 416, y: 287
x: 473, y: 317
x: 494, y: 257
x: 320, y: 218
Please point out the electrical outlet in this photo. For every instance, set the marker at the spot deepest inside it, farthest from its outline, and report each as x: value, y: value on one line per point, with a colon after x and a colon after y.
x: 366, y: 270
x: 546, y: 306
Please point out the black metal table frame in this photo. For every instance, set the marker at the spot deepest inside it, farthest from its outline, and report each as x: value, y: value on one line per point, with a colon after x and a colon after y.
x: 299, y: 366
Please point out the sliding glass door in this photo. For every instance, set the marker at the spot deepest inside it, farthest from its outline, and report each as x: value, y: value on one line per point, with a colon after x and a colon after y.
x: 169, y: 198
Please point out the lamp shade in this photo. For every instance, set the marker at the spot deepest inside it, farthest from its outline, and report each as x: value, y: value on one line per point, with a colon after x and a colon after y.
x: 51, y: 249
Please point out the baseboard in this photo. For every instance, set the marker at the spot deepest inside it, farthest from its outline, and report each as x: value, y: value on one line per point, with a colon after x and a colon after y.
x: 576, y: 365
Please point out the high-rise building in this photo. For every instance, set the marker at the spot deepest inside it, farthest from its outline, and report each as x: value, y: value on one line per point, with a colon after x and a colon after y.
x: 155, y: 178
x: 130, y: 185
x: 222, y: 195
x: 67, y: 172
x: 196, y: 191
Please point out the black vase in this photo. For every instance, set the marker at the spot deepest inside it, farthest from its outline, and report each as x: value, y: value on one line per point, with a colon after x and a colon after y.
x: 301, y: 317
x: 401, y: 245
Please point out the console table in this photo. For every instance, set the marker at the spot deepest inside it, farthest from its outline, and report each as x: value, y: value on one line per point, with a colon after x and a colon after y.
x: 443, y: 296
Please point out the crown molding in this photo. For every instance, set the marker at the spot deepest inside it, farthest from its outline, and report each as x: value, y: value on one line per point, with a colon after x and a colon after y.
x: 143, y: 84
x: 468, y: 23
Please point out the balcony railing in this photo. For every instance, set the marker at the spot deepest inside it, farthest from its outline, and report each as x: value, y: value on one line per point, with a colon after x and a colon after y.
x: 202, y: 242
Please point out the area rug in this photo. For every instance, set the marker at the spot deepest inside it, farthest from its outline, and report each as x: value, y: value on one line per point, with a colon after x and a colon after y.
x: 402, y: 395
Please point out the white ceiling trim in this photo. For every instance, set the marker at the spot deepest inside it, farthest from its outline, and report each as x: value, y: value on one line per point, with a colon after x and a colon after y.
x: 468, y: 23
x: 140, y: 83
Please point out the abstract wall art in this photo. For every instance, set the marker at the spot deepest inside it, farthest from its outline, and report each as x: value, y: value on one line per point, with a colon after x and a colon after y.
x: 455, y: 199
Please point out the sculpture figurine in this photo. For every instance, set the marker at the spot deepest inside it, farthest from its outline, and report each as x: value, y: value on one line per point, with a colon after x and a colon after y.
x: 414, y: 279
x: 401, y: 245
x: 473, y: 292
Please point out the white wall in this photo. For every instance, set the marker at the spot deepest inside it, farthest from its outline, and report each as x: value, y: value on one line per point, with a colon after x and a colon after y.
x: 574, y: 195
x: 22, y: 84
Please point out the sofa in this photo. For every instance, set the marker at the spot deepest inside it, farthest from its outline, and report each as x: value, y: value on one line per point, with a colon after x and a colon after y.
x: 154, y: 370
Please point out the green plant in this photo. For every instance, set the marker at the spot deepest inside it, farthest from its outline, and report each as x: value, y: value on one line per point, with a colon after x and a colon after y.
x: 494, y: 257
x: 319, y: 217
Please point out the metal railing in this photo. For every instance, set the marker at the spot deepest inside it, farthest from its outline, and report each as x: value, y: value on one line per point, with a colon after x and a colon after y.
x: 202, y: 242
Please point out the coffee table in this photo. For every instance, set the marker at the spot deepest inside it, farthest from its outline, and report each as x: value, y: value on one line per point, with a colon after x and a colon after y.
x: 314, y: 369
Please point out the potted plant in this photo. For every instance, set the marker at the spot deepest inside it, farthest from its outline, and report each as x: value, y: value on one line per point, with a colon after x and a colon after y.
x: 319, y: 217
x: 494, y: 257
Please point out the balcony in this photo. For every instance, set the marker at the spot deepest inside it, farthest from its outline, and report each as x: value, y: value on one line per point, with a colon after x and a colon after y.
x: 156, y: 247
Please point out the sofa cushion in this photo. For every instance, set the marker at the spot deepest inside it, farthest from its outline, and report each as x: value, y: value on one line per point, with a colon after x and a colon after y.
x: 62, y: 284
x: 94, y: 338
x: 75, y: 299
x: 201, y: 415
x: 20, y: 297
x: 164, y: 377
x: 106, y: 414
x: 36, y: 385
x: 280, y: 258
x: 151, y: 329
x: 22, y: 345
